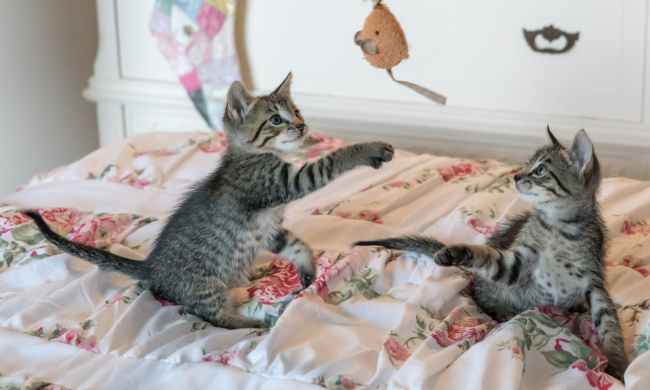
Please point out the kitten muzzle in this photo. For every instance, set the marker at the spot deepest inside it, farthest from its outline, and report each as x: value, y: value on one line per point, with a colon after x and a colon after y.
x: 523, y: 185
x: 299, y: 132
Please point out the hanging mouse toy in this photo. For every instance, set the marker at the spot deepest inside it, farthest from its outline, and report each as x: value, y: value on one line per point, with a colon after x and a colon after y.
x: 384, y: 46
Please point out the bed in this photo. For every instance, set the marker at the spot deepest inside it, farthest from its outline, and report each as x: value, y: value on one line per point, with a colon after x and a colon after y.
x: 373, y: 318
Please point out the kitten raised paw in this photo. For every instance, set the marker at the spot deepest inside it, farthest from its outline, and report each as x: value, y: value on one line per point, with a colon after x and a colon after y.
x: 378, y: 153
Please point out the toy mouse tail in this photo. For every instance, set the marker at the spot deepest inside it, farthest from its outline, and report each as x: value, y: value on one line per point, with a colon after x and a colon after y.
x: 427, y: 93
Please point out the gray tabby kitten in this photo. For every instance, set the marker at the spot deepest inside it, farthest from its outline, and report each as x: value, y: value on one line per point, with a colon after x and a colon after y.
x: 203, y: 257
x: 552, y: 255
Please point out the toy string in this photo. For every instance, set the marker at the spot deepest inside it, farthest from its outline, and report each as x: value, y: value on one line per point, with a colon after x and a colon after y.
x: 436, y: 97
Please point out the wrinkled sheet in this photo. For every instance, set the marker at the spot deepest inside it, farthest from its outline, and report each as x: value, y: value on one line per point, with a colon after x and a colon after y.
x: 372, y: 319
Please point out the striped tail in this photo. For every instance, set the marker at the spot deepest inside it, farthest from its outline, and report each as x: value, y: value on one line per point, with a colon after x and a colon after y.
x: 417, y: 244
x: 137, y: 269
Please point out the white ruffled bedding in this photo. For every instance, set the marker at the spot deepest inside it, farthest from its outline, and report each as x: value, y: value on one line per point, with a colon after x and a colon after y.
x: 373, y: 319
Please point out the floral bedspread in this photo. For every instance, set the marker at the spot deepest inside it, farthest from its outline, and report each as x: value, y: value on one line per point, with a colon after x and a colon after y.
x: 373, y: 318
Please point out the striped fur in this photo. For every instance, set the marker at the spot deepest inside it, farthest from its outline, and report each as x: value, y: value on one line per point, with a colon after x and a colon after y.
x: 203, y: 257
x: 552, y: 255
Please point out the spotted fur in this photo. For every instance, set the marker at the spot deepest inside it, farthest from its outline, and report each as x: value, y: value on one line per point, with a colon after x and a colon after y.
x: 203, y: 256
x: 552, y: 255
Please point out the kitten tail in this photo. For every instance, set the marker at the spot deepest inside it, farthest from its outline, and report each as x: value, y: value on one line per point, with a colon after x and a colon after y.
x: 422, y: 245
x: 137, y: 269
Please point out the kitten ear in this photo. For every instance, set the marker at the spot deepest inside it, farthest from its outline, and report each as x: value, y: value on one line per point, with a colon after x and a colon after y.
x: 552, y: 137
x: 582, y: 153
x: 284, y: 89
x: 238, y: 101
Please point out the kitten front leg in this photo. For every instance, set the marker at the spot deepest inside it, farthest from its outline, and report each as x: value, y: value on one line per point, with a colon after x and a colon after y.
x: 484, y: 261
x: 286, y: 183
x: 313, y: 176
x: 605, y: 319
x: 287, y: 245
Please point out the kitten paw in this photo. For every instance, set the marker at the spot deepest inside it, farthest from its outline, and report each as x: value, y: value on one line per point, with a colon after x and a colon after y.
x: 239, y: 295
x: 306, y: 277
x: 302, y: 256
x: 616, y: 365
x: 261, y: 325
x: 379, y: 153
x: 616, y: 372
x: 454, y: 255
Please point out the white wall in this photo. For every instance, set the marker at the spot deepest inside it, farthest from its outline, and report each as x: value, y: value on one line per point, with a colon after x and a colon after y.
x: 48, y: 48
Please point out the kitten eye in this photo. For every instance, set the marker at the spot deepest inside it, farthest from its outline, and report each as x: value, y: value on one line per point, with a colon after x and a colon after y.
x: 540, y: 171
x: 276, y: 120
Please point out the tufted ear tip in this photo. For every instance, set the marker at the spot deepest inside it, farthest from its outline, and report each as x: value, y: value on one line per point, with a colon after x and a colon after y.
x: 551, y: 136
x: 284, y: 89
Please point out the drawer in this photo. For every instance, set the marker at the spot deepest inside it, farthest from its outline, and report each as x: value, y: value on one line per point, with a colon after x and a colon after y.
x: 472, y: 51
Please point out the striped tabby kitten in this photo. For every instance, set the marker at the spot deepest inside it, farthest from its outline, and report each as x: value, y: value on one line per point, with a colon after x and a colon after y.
x: 552, y: 255
x: 203, y: 256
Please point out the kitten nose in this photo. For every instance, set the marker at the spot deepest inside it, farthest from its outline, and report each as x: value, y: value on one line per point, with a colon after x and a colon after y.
x: 518, y: 177
x: 301, y: 127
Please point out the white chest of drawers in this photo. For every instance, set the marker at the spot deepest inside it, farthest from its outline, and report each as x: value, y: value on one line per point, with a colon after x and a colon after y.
x: 502, y: 92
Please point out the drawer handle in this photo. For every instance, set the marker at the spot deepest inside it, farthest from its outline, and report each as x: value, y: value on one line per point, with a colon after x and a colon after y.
x: 550, y: 33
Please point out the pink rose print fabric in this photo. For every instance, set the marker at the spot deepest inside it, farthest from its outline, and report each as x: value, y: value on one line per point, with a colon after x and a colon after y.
x: 396, y: 351
x: 371, y: 319
x: 460, y: 329
x: 279, y: 280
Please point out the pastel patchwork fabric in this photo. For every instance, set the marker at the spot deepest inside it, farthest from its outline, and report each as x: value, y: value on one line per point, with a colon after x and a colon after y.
x: 197, y: 39
x: 373, y: 319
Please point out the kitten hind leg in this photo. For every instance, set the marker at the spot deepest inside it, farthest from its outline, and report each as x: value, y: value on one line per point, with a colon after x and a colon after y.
x: 286, y: 244
x: 218, y: 306
x: 605, y: 319
x: 233, y: 320
x: 228, y: 318
x: 239, y: 295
